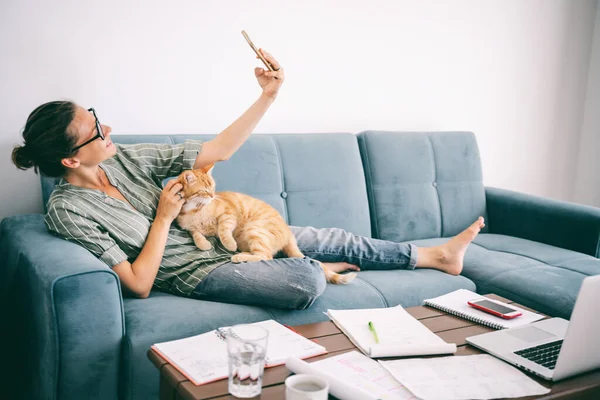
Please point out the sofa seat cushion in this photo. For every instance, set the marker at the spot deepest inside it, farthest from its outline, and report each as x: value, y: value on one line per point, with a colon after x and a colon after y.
x: 537, y: 275
x: 164, y: 317
x: 543, y: 277
x: 409, y: 288
x: 374, y: 289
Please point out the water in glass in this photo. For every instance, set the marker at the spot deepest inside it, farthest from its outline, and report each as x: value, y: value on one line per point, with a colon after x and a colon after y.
x: 246, y: 349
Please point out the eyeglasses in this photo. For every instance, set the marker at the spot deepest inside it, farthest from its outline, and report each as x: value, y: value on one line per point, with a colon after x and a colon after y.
x: 100, y: 133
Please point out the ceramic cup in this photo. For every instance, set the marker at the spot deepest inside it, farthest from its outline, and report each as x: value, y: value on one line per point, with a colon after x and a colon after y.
x: 306, y: 387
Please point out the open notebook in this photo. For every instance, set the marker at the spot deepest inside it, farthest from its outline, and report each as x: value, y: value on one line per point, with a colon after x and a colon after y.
x: 399, y: 333
x: 456, y: 303
x: 203, y: 358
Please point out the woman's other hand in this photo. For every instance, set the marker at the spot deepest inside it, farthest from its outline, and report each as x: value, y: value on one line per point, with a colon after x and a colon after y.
x: 266, y: 79
x: 170, y: 202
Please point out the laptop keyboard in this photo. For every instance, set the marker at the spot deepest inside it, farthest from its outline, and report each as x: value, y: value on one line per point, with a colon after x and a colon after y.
x: 544, y: 354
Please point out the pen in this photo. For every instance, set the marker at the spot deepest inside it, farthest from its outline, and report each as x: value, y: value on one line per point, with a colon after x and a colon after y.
x: 372, y: 329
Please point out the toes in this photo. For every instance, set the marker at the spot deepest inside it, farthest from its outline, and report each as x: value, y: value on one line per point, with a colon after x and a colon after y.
x: 478, y: 225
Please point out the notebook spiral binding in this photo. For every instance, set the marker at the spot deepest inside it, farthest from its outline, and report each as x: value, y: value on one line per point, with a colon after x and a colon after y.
x: 465, y: 316
x: 222, y: 334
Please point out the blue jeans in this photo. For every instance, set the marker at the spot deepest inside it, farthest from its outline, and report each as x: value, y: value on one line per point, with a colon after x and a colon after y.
x: 297, y: 282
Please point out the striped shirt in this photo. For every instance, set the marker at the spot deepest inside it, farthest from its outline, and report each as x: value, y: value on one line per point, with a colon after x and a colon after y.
x: 114, y: 232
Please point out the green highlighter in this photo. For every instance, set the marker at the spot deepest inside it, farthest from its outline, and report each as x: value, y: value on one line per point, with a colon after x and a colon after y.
x: 372, y: 329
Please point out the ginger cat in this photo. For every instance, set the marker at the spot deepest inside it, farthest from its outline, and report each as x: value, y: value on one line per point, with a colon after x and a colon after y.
x: 240, y: 221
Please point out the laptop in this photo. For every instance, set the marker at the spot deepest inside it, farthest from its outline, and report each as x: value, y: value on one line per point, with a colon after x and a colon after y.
x: 554, y: 348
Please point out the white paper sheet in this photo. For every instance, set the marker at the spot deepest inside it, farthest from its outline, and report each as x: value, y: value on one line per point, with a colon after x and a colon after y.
x: 464, y: 377
x: 399, y: 333
x: 354, y: 376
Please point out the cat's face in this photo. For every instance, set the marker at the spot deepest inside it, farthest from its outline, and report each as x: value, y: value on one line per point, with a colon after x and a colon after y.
x: 198, y: 187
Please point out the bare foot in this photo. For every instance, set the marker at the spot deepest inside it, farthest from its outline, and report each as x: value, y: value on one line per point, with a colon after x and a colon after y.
x: 340, y: 267
x: 449, y: 256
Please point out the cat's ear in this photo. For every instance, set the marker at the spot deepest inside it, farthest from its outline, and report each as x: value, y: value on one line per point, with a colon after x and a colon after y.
x: 207, y: 169
x: 189, y: 176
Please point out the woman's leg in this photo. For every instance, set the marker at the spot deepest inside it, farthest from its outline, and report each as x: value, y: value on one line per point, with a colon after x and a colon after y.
x: 333, y: 245
x: 283, y: 283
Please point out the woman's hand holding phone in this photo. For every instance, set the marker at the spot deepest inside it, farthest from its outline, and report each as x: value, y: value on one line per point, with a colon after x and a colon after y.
x: 269, y: 81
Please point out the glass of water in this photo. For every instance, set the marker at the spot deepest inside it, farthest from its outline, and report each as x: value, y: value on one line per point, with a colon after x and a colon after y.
x: 246, y: 349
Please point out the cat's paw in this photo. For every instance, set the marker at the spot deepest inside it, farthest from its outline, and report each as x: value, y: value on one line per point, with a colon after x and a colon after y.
x: 229, y: 244
x: 245, y: 257
x: 238, y: 258
x: 203, y: 244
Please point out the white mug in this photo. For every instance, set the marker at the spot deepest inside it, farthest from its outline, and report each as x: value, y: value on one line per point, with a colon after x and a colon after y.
x: 306, y: 387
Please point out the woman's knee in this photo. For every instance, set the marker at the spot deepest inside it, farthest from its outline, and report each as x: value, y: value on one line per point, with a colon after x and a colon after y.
x: 308, y: 284
x: 286, y: 283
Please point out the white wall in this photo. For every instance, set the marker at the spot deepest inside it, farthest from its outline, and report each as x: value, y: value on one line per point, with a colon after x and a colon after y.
x: 512, y: 71
x: 587, y: 189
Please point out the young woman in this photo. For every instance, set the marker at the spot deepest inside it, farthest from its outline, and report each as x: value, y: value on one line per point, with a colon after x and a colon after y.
x: 110, y: 200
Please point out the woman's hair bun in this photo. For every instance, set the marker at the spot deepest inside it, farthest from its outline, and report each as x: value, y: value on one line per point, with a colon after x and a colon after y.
x: 47, y: 139
x: 20, y: 157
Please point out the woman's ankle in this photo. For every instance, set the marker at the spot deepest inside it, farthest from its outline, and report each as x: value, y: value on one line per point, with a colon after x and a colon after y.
x: 439, y: 258
x: 427, y: 257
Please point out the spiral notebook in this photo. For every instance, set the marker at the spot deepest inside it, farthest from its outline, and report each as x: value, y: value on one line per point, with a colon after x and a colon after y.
x: 456, y: 303
x: 203, y: 358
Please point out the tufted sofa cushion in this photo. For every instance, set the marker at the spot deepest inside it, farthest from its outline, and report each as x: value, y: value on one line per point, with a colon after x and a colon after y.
x: 422, y: 185
x: 311, y: 179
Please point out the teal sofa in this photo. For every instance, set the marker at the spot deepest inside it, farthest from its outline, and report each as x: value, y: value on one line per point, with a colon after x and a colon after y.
x: 70, y: 334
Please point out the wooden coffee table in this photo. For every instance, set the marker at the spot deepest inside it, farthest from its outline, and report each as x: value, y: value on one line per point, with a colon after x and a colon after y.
x: 173, y: 385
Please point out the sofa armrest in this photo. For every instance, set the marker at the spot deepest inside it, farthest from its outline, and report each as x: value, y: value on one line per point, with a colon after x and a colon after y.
x: 557, y: 223
x: 66, y: 313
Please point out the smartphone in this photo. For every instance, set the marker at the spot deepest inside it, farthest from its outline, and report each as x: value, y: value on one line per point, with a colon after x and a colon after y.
x: 267, y: 64
x: 498, y: 309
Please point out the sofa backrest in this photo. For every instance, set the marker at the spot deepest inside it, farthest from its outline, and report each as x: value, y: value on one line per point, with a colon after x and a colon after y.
x: 311, y: 179
x: 418, y: 185
x: 422, y: 185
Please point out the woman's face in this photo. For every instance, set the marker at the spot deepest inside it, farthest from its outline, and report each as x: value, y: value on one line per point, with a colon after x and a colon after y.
x: 97, y: 151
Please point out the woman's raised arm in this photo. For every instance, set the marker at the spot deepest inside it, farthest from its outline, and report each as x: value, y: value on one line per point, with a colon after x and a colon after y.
x: 231, y: 139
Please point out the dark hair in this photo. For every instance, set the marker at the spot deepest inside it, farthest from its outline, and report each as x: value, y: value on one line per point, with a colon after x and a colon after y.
x: 47, y: 139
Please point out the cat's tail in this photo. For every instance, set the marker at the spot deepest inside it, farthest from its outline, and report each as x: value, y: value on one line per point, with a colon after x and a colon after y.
x: 291, y: 250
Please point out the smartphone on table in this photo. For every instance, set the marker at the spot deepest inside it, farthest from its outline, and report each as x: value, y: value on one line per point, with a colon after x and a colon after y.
x: 264, y: 60
x: 496, y: 308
